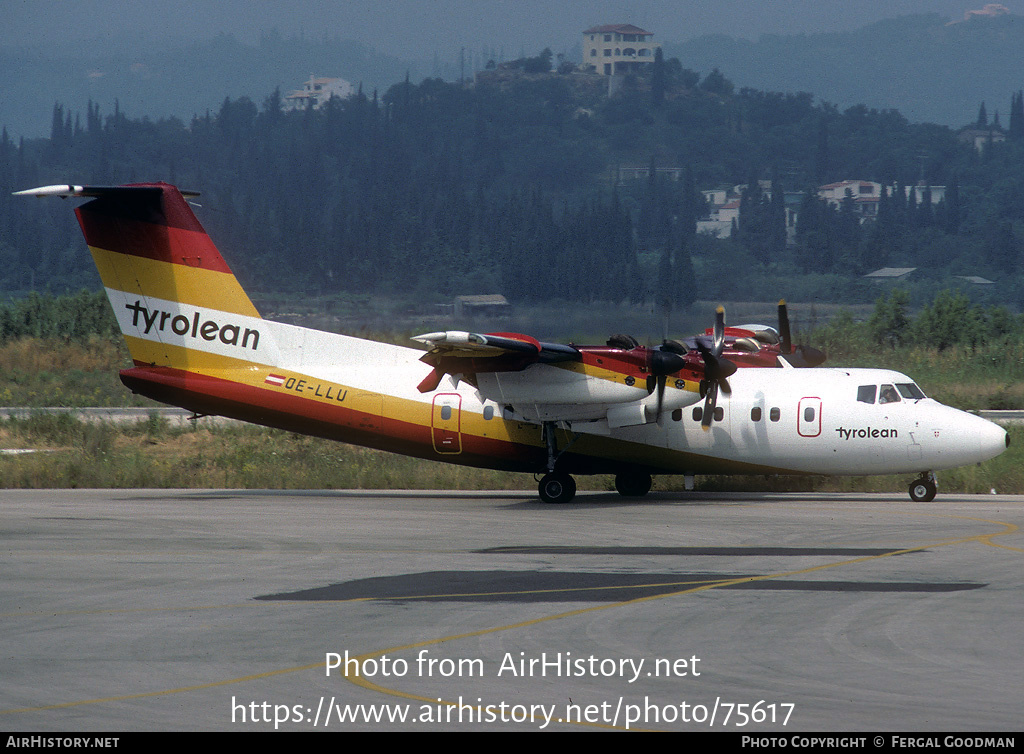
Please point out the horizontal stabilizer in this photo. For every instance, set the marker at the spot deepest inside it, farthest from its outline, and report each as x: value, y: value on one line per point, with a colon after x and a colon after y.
x: 68, y: 190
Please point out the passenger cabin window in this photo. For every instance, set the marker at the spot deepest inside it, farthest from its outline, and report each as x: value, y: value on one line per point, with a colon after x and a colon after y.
x: 755, y: 414
x: 698, y: 414
x: 677, y: 415
x: 866, y: 393
x: 888, y: 394
x: 775, y: 414
x: 488, y: 413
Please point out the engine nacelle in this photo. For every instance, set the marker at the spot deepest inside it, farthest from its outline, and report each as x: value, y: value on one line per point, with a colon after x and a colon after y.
x: 546, y: 393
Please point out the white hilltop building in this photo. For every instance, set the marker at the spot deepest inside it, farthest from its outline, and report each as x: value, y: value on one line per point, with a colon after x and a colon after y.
x: 316, y: 92
x: 616, y: 49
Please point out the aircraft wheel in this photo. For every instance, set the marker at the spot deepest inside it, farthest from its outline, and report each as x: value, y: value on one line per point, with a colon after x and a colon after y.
x: 922, y: 490
x: 557, y: 488
x: 633, y: 483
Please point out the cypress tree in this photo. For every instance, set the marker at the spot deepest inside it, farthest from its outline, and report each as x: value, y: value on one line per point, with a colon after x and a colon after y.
x: 777, y: 221
x: 1017, y: 116
x: 953, y: 206
x: 57, y: 124
x: 692, y: 204
x: 658, y: 80
x: 821, y: 156
x: 685, y: 278
x: 911, y: 211
x: 665, y: 286
x: 924, y: 211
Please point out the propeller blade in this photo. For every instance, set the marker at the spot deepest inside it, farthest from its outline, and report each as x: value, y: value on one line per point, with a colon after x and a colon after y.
x: 805, y: 356
x: 431, y: 381
x: 813, y: 356
x: 710, y: 401
x: 797, y: 356
x: 716, y: 367
x: 785, y: 340
x: 719, y: 332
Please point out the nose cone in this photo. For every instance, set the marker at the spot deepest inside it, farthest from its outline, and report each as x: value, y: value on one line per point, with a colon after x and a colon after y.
x: 992, y: 440
x: 982, y: 439
x: 960, y: 438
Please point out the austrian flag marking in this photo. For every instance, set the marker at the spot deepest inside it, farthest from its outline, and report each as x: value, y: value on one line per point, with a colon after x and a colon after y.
x: 274, y: 379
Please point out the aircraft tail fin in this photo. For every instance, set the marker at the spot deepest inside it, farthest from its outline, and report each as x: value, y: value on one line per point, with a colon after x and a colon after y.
x: 175, y: 298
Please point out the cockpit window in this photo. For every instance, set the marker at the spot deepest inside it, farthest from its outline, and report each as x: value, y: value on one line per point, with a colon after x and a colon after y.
x: 866, y: 393
x: 888, y: 394
x: 910, y: 391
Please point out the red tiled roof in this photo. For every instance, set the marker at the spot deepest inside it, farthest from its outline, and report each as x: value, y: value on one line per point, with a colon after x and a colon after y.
x: 620, y: 28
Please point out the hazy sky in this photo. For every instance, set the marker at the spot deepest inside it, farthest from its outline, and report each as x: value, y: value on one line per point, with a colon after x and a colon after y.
x: 416, y: 29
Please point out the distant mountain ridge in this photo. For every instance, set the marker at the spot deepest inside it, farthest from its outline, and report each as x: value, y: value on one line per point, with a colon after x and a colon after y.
x: 176, y: 78
x: 928, y: 67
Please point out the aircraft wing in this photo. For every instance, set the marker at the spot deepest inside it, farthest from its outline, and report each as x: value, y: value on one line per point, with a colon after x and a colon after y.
x: 457, y: 352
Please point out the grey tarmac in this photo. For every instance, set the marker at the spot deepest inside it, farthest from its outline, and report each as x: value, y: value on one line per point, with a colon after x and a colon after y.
x: 125, y: 610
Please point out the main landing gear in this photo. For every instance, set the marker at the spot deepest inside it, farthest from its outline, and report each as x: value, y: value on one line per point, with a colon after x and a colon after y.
x: 922, y: 489
x: 633, y: 483
x: 557, y: 487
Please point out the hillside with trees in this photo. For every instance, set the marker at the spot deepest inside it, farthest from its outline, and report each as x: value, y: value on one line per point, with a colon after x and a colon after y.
x: 511, y: 185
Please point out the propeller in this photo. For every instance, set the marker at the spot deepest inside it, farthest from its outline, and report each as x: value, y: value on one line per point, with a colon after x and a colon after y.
x: 785, y: 339
x: 660, y: 364
x: 798, y: 356
x: 716, y: 368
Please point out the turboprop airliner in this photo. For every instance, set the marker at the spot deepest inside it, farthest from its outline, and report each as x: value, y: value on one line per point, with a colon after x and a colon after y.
x: 497, y: 400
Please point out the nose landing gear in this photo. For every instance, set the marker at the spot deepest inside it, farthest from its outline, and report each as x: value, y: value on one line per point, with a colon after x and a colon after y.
x: 922, y: 489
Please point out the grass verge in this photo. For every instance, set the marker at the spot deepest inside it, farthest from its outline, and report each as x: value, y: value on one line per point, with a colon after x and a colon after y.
x: 72, y: 454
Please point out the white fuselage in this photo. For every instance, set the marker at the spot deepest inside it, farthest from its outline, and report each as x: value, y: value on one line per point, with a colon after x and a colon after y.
x: 811, y: 421
x: 774, y: 420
